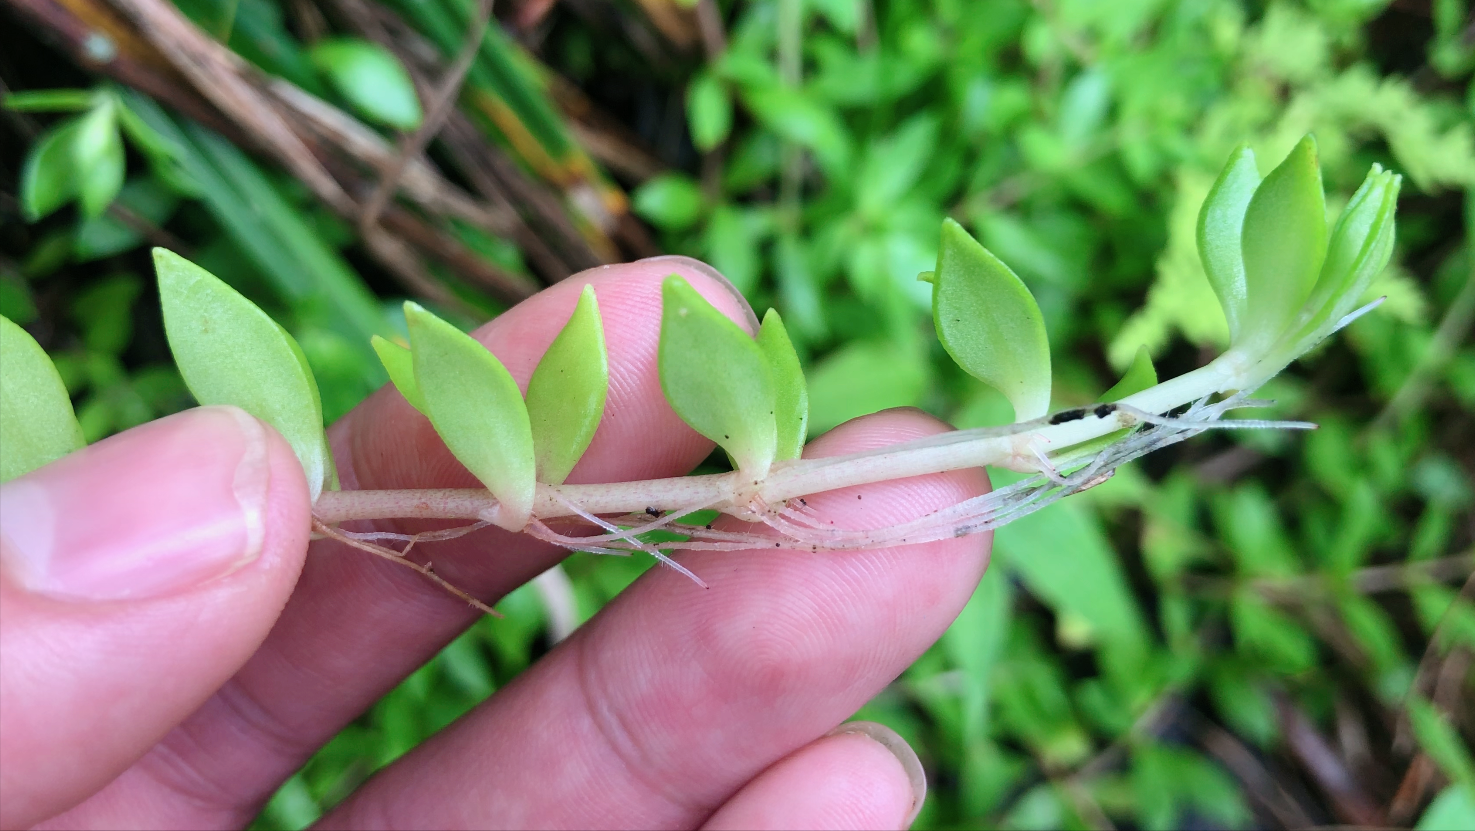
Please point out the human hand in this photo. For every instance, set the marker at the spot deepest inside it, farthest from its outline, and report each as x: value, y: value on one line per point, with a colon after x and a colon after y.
x: 171, y: 648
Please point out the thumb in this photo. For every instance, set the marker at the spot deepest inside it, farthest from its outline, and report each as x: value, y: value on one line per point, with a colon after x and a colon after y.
x: 136, y: 576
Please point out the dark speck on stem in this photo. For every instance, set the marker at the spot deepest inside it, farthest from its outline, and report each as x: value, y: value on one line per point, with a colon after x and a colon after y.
x: 1104, y: 410
x: 1067, y: 415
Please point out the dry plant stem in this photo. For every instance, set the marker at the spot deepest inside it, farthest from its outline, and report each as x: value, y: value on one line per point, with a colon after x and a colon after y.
x: 440, y: 105
x: 1013, y: 447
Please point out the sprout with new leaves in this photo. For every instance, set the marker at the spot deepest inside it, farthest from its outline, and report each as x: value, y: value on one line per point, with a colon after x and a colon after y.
x: 1283, y: 280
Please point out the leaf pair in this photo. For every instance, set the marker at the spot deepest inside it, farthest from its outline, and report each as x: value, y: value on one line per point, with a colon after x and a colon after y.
x: 1265, y: 248
x: 474, y: 404
x: 746, y: 395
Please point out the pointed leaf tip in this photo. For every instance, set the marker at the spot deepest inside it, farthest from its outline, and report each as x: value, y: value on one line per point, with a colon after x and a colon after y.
x: 400, y: 365
x: 1139, y: 376
x: 231, y: 352
x: 1360, y: 247
x: 989, y: 322
x: 567, y: 392
x: 1220, y: 224
x: 37, y: 425
x: 716, y: 377
x: 791, y: 395
x: 477, y: 410
x: 1284, y: 241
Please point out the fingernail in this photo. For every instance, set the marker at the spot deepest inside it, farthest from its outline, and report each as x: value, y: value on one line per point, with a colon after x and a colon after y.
x: 887, y: 738
x: 690, y: 264
x: 159, y: 509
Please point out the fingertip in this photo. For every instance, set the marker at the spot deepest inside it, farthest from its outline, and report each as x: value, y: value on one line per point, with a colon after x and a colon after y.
x: 846, y: 780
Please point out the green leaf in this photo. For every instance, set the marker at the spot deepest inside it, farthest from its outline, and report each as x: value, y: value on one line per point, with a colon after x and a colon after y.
x: 48, y: 178
x: 671, y: 201
x: 803, y: 120
x: 1452, y: 810
x: 566, y: 393
x: 231, y: 352
x: 37, y: 425
x: 716, y: 377
x: 50, y: 100
x: 1361, y: 244
x: 1284, y: 242
x: 371, y: 79
x: 791, y: 396
x: 97, y: 156
x: 708, y: 111
x: 1442, y: 742
x: 1139, y: 376
x: 400, y: 365
x: 989, y: 323
x: 1220, y: 227
x: 864, y: 377
x: 478, y: 412
x: 1066, y: 559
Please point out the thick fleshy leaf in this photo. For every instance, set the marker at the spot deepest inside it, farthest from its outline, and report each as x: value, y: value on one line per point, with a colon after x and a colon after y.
x: 37, y: 425
x: 716, y: 378
x: 566, y: 393
x: 1220, y: 225
x: 989, y: 323
x: 98, y: 159
x: 1139, y: 376
x: 231, y: 352
x: 400, y: 365
x: 790, y: 393
x: 1284, y: 242
x: 48, y: 178
x: 478, y: 411
x: 371, y: 79
x: 1360, y: 246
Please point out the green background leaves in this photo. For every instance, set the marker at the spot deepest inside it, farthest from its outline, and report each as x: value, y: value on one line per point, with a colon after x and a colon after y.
x: 371, y: 79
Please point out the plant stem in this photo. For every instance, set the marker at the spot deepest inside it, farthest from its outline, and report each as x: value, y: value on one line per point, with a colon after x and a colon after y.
x: 1009, y: 447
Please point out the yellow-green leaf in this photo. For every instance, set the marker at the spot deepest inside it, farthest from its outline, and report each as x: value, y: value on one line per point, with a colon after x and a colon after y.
x: 989, y: 322
x: 231, y: 352
x: 566, y: 393
x: 716, y: 378
x: 791, y: 395
x: 1220, y: 225
x: 477, y: 410
x: 37, y: 425
x: 1139, y: 376
x: 1284, y: 241
x: 400, y: 365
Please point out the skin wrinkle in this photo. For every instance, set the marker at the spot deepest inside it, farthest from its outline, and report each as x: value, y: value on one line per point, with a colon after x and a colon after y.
x: 707, y: 724
x: 618, y: 737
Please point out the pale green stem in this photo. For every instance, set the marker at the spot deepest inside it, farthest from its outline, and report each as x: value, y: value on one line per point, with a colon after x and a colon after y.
x: 728, y: 492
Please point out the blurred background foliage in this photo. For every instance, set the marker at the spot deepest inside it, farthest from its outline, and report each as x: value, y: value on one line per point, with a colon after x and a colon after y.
x: 1245, y: 630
